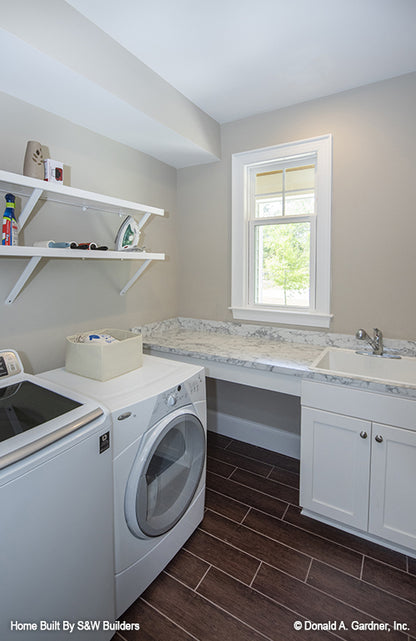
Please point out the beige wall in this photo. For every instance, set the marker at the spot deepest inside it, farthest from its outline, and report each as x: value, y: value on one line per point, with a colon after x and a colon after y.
x: 373, y: 215
x: 66, y: 296
x: 374, y: 221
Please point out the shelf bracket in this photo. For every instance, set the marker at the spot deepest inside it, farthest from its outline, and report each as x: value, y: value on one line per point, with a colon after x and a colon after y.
x: 144, y: 220
x: 135, y: 277
x: 28, y: 208
x: 21, y: 281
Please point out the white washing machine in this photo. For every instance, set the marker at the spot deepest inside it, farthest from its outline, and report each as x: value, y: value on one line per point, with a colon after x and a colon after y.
x: 56, y: 507
x: 159, y: 444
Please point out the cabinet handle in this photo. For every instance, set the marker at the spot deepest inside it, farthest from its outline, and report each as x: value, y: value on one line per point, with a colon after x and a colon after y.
x: 363, y: 434
x: 379, y: 438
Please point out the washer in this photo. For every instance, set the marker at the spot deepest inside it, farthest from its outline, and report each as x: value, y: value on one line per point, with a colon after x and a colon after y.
x: 159, y: 440
x: 56, y: 482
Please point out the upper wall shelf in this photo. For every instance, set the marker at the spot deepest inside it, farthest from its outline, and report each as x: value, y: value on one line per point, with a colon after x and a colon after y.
x: 34, y: 189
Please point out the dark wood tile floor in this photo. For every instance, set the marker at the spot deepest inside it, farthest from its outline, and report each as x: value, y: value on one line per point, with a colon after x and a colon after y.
x: 256, y: 566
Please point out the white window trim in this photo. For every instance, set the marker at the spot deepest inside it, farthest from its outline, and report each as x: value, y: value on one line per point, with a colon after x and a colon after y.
x: 241, y: 308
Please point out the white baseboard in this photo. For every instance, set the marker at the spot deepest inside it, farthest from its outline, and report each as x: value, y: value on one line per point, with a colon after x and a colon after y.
x: 271, y: 438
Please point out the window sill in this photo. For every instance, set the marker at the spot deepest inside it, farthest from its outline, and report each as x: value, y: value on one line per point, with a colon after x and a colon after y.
x: 285, y: 317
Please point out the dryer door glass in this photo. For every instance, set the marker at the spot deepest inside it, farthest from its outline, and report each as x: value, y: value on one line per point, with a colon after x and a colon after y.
x: 170, y: 475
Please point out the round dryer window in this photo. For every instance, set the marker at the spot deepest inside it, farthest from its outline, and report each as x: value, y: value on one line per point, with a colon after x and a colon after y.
x: 165, y: 474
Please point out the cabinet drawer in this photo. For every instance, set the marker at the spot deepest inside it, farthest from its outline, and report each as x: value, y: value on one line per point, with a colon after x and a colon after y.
x: 370, y: 406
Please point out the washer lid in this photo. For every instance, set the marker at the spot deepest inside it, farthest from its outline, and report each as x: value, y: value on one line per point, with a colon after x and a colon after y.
x: 35, y: 413
x: 25, y: 405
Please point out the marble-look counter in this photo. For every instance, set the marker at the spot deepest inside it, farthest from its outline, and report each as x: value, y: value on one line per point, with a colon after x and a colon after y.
x: 234, y: 349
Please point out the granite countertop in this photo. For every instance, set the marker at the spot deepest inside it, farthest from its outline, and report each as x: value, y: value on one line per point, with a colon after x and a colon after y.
x: 284, y: 351
x: 257, y: 353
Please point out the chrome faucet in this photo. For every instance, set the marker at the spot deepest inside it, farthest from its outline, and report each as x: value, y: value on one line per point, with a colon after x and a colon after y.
x: 376, y: 342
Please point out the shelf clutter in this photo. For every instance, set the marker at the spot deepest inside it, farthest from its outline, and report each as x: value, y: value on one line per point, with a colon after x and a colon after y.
x: 33, y: 190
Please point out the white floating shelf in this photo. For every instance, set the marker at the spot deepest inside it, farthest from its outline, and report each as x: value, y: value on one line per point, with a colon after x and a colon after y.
x: 50, y: 252
x: 55, y: 192
x: 34, y: 189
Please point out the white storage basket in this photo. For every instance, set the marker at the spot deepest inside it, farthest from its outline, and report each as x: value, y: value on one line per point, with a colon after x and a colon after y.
x: 103, y: 361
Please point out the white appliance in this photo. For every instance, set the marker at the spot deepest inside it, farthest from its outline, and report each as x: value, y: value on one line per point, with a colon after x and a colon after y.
x: 56, y: 510
x: 159, y: 441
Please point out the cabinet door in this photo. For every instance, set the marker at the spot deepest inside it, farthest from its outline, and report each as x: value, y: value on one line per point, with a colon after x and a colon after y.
x: 393, y: 482
x: 335, y: 471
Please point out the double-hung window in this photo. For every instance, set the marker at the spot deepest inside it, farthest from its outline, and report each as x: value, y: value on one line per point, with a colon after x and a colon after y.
x: 281, y: 233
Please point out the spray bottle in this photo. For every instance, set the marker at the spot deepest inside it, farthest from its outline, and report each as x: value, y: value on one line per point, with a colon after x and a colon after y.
x: 10, y: 228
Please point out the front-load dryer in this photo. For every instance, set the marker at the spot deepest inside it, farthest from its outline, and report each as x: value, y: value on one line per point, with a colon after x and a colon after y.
x: 159, y: 443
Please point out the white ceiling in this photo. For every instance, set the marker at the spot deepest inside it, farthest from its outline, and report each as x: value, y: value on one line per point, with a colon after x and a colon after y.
x: 159, y: 76
x: 236, y: 58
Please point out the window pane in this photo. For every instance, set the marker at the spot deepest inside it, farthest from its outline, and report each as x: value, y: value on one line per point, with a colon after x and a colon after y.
x: 269, y: 207
x: 269, y: 182
x: 300, y: 178
x: 282, y: 264
x: 301, y: 203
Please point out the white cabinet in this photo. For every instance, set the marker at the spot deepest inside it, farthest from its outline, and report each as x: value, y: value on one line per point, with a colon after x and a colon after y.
x: 335, y: 472
x: 356, y: 471
x: 393, y: 481
x: 32, y: 190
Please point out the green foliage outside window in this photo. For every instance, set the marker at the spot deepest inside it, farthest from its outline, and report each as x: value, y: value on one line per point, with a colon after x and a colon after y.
x: 286, y: 259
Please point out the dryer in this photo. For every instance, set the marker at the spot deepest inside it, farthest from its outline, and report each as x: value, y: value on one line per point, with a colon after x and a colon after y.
x: 159, y: 442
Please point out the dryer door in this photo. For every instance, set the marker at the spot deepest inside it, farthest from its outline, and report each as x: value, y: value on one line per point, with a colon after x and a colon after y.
x: 165, y: 474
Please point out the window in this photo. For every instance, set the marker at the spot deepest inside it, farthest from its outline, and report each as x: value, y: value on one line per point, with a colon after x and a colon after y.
x: 281, y: 233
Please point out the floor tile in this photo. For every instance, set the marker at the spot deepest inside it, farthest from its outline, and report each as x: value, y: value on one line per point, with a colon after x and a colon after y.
x: 187, y: 568
x: 387, y: 578
x: 154, y: 626
x: 267, y: 486
x: 266, y: 456
x: 219, y: 467
x: 309, y: 602
x: 246, y: 495
x: 284, y: 476
x: 218, y: 440
x: 316, y: 547
x: 239, y: 564
x: 237, y: 460
x: 365, y: 597
x: 294, y: 516
x: 195, y: 614
x: 412, y: 565
x: 254, y: 608
x: 260, y: 547
x: 226, y: 506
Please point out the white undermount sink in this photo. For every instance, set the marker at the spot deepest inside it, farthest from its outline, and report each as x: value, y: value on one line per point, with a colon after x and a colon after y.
x: 347, y: 362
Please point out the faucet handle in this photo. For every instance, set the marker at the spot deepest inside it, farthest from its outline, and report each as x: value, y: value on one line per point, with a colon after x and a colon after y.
x: 361, y: 334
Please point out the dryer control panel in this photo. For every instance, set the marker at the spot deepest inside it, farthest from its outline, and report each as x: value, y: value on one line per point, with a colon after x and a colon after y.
x: 185, y: 393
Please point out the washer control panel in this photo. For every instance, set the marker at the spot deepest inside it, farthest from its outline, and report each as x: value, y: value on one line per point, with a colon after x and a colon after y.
x: 10, y: 363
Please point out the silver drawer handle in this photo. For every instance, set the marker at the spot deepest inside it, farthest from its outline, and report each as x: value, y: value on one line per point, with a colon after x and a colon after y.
x: 379, y: 438
x: 363, y: 434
